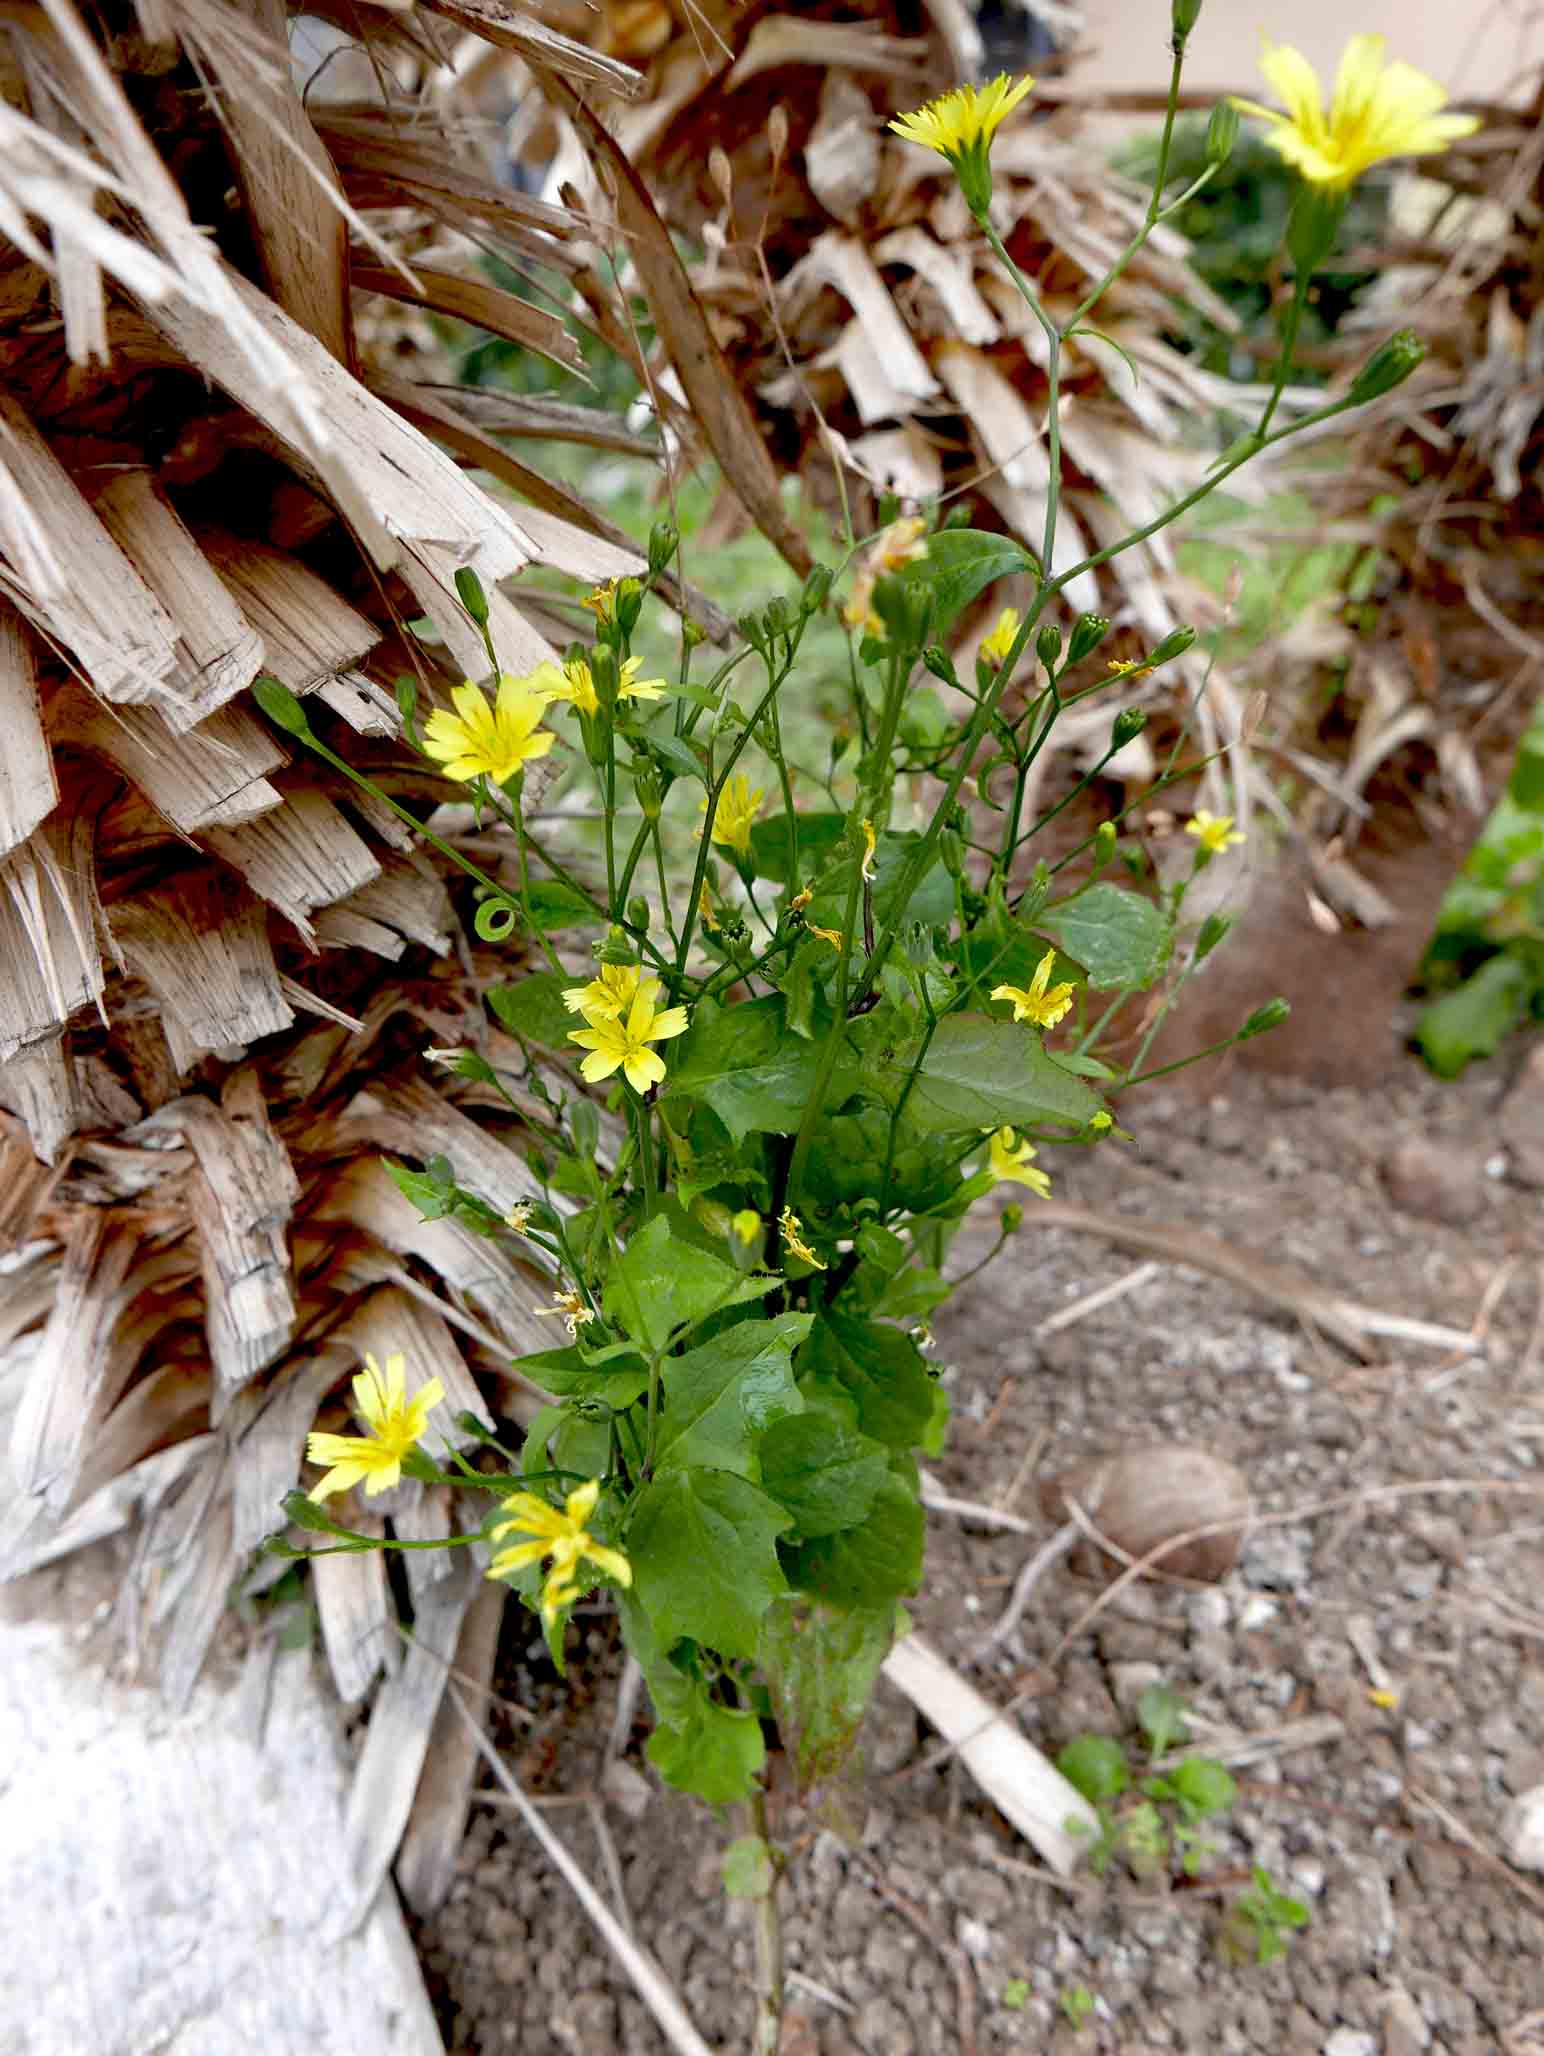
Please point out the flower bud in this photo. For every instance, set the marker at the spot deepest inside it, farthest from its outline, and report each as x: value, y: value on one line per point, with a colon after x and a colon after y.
x: 1011, y: 1219
x: 1174, y: 644
x: 1126, y: 727
x: 906, y: 609
x: 752, y: 625
x: 280, y: 705
x: 693, y: 633
x: 918, y: 944
x: 603, y: 676
x: 815, y: 590
x: 1104, y: 842
x: 469, y: 591
x: 1221, y: 132
x: 1185, y: 15
x: 629, y: 605
x: 1388, y: 366
x: 1315, y: 220
x: 1088, y: 632
x: 1271, y: 1015
x: 617, y: 948
x: 664, y: 540
x: 937, y: 661
x: 646, y: 786
x: 1214, y: 929
x: 951, y: 852
x: 1048, y: 645
x: 778, y: 616
x: 638, y: 913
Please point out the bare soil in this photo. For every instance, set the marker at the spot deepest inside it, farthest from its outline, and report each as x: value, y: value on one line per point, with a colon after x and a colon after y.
x: 1416, y: 1623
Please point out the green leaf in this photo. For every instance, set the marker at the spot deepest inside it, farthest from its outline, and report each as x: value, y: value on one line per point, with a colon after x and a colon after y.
x: 1119, y: 937
x: 723, y: 1399
x: 873, y: 1377
x: 932, y: 903
x: 744, y: 1062
x: 704, y: 1556
x: 680, y: 756
x: 1476, y: 1019
x: 661, y: 1282
x: 819, y: 835
x: 1096, y: 1765
x: 848, y: 1157
x: 823, y: 1473
x: 1202, y: 1787
x: 870, y: 1565
x: 960, y: 563
x: 556, y: 905
x: 820, y: 1664
x: 533, y: 1007
x: 747, y: 1868
x: 619, y: 1379
x: 1161, y: 1717
x: 980, y: 1073
x: 714, y: 1752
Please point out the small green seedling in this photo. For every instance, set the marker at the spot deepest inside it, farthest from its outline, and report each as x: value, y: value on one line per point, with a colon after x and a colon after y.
x: 1261, y: 1921
x: 1015, y: 1994
x: 1077, y: 2003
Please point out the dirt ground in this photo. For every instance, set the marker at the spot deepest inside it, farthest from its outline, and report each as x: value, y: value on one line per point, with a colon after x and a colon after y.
x: 910, y: 1907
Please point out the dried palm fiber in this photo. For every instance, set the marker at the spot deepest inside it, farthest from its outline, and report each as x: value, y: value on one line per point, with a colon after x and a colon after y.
x: 220, y: 961
x: 863, y: 316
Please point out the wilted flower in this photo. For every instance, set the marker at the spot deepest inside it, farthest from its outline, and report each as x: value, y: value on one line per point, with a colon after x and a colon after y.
x: 573, y: 1309
x: 870, y: 843
x: 903, y: 542
x: 793, y: 1240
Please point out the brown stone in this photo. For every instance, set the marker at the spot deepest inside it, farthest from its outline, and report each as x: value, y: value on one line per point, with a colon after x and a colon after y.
x: 1435, y: 1182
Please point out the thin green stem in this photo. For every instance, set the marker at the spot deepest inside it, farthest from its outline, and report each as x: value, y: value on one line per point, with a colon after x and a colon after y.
x: 830, y: 1050
x: 1288, y: 343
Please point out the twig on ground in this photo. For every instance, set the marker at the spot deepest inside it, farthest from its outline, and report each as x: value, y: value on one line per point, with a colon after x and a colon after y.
x: 1004, y: 1499
x: 610, y: 1862
x: 953, y: 1955
x: 1237, y: 1751
x: 798, y: 1982
x: 1533, y: 1354
x: 1090, y: 1303
x: 938, y: 1501
x: 629, y: 1685
x: 1458, y: 1831
x: 651, y: 1984
x: 1049, y: 1553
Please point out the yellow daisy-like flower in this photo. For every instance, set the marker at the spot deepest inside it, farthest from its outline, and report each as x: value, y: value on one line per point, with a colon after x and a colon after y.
x: 903, y: 542
x: 616, y: 1044
x: 794, y: 1242
x: 1377, y: 111
x: 738, y: 805
x: 1214, y: 832
x: 1013, y: 1161
x: 1044, y: 1008
x: 396, y: 1424
x: 563, y: 1537
x: 870, y: 844
x: 578, y: 686
x: 994, y: 650
x: 834, y: 936
x: 958, y: 123
x: 483, y: 740
x: 611, y: 993
x: 572, y: 1307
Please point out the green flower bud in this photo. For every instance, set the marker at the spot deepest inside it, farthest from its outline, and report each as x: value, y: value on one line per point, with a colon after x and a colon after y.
x: 1174, y: 644
x: 693, y: 633
x: 465, y: 1063
x: 816, y: 588
x: 960, y: 514
x: 1011, y: 1219
x: 1388, y: 366
x: 280, y: 705
x: 617, y: 948
x: 918, y: 944
x: 638, y: 913
x: 1214, y: 929
x: 603, y: 674
x: 1104, y: 842
x: 1185, y: 15
x: 951, y: 852
x: 752, y: 625
x: 664, y: 541
x: 1126, y: 727
x: 629, y: 605
x: 779, y: 618
x: 889, y: 509
x: 1221, y: 132
x: 646, y: 786
x: 1036, y: 893
x: 1313, y: 225
x: 1088, y: 632
x: 1271, y: 1015
x: 469, y: 591
x: 1048, y: 644
x: 937, y: 661
x: 906, y: 609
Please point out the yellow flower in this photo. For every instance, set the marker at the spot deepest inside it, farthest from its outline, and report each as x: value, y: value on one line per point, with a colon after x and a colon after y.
x: 800, y: 901
x: 1044, y: 1008
x: 1011, y: 1160
x: 615, y: 1043
x: 903, y: 542
x: 612, y: 993
x: 997, y: 645
x: 746, y: 1224
x: 1129, y: 667
x: 870, y: 843
x: 561, y: 1536
x: 738, y: 806
x: 793, y: 1240
x: 573, y: 1309
x: 834, y: 936
x: 1377, y: 112
x: 578, y: 686
x: 1101, y: 1121
x: 602, y: 602
x: 965, y: 120
x: 518, y: 1218
x: 480, y: 740
x: 396, y: 1424
x: 1214, y: 832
